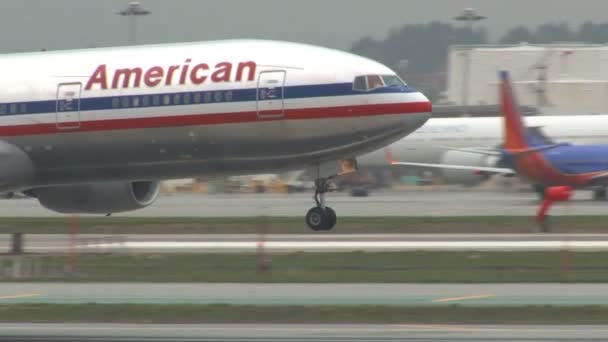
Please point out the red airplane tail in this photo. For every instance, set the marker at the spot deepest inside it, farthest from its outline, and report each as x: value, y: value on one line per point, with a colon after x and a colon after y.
x: 514, y: 128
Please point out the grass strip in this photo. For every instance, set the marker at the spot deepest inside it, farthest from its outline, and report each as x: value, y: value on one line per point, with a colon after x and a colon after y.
x: 352, y: 267
x: 132, y: 313
x: 290, y: 225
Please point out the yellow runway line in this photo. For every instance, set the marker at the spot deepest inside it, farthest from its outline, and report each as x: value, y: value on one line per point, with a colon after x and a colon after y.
x: 458, y: 299
x: 24, y: 295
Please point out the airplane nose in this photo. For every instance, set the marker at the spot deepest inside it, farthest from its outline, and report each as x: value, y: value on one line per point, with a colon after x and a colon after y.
x: 415, y: 109
x: 419, y: 102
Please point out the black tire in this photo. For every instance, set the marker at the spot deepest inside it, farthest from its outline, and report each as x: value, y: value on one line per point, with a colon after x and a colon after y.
x: 332, y: 218
x: 545, y: 225
x: 540, y: 191
x: 316, y: 219
x: 599, y: 194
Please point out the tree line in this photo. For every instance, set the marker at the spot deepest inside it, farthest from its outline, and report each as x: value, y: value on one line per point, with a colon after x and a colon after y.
x: 419, y: 52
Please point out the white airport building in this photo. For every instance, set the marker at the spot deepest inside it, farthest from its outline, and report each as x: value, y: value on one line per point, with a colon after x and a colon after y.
x: 557, y: 78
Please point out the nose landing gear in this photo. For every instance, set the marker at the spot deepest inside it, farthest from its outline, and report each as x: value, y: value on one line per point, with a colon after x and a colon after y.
x: 321, y: 218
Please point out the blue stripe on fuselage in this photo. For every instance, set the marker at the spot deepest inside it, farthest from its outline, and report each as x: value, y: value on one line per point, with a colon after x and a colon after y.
x: 194, y: 98
x: 578, y: 159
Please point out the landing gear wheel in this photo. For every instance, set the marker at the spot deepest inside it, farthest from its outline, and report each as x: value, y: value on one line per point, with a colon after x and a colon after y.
x: 599, y: 194
x: 540, y: 191
x: 317, y: 219
x: 545, y: 225
x: 321, y: 217
x: 331, y: 217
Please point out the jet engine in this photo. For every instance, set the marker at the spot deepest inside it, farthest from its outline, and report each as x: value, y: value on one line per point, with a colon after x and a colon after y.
x: 98, y: 198
x: 467, y: 177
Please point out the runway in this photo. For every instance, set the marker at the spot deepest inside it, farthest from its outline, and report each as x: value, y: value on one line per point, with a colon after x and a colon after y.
x: 251, y: 243
x: 298, y: 333
x: 414, y: 202
x: 306, y: 294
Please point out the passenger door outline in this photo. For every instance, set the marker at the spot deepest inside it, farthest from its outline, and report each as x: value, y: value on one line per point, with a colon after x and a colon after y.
x: 270, y: 95
x: 67, y: 110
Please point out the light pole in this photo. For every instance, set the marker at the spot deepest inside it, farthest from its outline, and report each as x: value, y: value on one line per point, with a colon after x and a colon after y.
x: 469, y: 16
x: 133, y: 10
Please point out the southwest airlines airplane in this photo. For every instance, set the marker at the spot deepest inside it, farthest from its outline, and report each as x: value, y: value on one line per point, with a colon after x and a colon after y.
x: 557, y: 166
x: 93, y: 131
x: 454, y: 141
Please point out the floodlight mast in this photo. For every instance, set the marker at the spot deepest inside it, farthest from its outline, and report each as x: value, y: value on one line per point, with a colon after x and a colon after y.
x: 133, y: 11
x: 469, y: 16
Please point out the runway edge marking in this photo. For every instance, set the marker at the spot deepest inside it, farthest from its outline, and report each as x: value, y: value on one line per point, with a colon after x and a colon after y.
x: 17, y: 296
x: 458, y: 299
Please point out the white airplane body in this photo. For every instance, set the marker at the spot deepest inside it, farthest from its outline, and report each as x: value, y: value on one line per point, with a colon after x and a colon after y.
x: 445, y: 141
x: 72, y: 121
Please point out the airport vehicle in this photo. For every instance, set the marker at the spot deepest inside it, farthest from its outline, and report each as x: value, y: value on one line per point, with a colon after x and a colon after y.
x: 93, y: 131
x: 454, y: 141
x: 557, y: 166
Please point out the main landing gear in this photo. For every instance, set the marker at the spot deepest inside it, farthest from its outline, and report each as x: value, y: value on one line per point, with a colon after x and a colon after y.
x: 599, y: 194
x: 321, y: 218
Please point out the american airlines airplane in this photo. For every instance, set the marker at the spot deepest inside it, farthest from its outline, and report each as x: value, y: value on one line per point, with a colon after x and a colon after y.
x: 93, y: 131
x: 454, y: 141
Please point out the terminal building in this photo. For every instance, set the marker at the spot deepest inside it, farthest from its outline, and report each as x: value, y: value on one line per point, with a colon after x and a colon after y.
x: 557, y: 79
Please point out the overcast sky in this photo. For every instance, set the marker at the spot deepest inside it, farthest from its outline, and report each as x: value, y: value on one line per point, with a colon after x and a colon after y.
x: 59, y: 24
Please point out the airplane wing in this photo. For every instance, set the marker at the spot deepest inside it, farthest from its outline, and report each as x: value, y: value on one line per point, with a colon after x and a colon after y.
x: 487, y: 152
x: 496, y: 153
x: 481, y: 169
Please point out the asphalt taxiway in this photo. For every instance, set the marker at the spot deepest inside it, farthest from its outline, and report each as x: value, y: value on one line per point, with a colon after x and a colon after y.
x: 306, y: 294
x: 299, y: 333
x: 415, y: 202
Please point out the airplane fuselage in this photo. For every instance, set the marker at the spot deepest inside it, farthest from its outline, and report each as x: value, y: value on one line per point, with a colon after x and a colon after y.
x: 573, y: 165
x: 430, y: 143
x: 184, y: 110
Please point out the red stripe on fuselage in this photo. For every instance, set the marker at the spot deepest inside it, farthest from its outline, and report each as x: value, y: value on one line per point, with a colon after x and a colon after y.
x: 221, y: 118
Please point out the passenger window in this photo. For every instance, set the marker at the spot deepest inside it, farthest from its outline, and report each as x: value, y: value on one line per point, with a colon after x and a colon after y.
x: 177, y: 99
x: 198, y: 97
x: 115, y: 102
x: 187, y: 98
x: 218, y: 96
x: 3, y: 109
x: 208, y: 97
x: 166, y: 100
x: 23, y: 108
x: 156, y: 100
x: 136, y: 101
x: 13, y: 108
x: 360, y: 83
x: 125, y: 102
x: 145, y: 100
x: 228, y: 96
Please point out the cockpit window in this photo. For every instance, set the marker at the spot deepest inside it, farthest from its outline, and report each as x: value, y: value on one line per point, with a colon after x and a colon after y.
x: 374, y: 81
x: 360, y: 83
x: 368, y: 82
x: 371, y: 82
x: 393, y: 81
